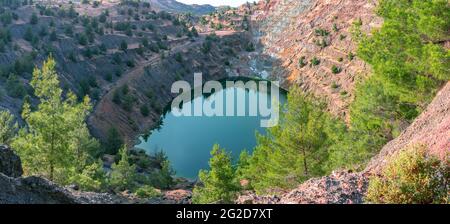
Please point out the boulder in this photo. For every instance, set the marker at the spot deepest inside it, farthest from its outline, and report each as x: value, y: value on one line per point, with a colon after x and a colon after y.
x: 10, y: 163
x: 32, y: 190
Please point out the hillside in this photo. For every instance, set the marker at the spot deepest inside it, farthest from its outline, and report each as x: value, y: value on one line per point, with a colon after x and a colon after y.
x: 178, y: 7
x: 99, y: 49
x: 368, y: 83
x: 309, y: 38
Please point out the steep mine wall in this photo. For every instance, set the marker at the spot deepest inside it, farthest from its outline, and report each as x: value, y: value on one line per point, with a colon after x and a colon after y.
x: 290, y: 30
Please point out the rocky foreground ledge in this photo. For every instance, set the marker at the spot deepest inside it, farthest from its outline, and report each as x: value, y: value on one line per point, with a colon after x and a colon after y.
x: 16, y: 189
x: 343, y: 187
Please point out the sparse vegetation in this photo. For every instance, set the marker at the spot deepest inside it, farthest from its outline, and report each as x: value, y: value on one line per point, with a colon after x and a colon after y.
x: 335, y: 69
x: 315, y: 61
x: 301, y: 62
x: 411, y: 177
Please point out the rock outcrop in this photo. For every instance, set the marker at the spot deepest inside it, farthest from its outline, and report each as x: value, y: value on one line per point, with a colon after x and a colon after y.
x: 15, y: 189
x: 10, y: 163
x: 342, y: 187
x: 318, y: 33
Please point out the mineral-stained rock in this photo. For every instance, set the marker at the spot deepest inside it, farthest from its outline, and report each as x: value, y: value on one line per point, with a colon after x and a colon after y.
x: 177, y: 197
x: 10, y: 163
x: 339, y: 188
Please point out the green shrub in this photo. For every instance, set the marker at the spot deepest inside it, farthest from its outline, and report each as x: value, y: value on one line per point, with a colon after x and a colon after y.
x: 147, y: 192
x: 351, y: 56
x: 335, y: 69
x: 179, y: 57
x: 145, y: 111
x: 411, y: 177
x: 34, y: 19
x: 321, y: 32
x: 315, y: 61
x: 123, y: 45
x: 334, y: 85
x: 301, y: 62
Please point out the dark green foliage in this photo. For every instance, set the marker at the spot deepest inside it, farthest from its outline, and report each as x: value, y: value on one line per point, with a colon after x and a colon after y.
x: 28, y: 36
x: 14, y: 87
x: 315, y: 61
x: 124, y: 174
x: 34, y: 19
x: 296, y: 149
x: 301, y: 62
x: 194, y: 32
x: 154, y: 47
x: 409, y: 65
x: 335, y: 69
x: 206, y: 46
x: 351, y: 56
x: 140, y: 50
x: 321, y: 32
x: 130, y: 63
x: 144, y: 110
x: 6, y: 18
x: 113, y: 141
x: 68, y: 30
x: 43, y: 31
x: 108, y: 77
x: 123, y: 45
x: 250, y: 47
x: 145, y: 42
x: 219, y: 183
x: 82, y: 39
x: 179, y: 57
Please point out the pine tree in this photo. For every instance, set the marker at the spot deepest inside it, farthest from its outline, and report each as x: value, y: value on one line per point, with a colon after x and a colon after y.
x: 219, y: 183
x: 8, y: 127
x: 293, y: 151
x: 123, y: 175
x: 53, y: 142
x: 113, y: 141
x: 34, y: 19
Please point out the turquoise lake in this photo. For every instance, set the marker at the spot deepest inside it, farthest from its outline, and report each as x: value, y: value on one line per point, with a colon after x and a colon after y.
x: 188, y: 140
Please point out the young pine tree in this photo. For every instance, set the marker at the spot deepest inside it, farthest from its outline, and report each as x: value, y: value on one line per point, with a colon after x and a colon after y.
x: 8, y: 127
x: 53, y: 142
x: 123, y: 175
x: 293, y: 151
x: 219, y: 183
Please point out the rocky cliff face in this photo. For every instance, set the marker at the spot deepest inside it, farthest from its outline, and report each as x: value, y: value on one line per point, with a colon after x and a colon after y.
x: 308, y: 38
